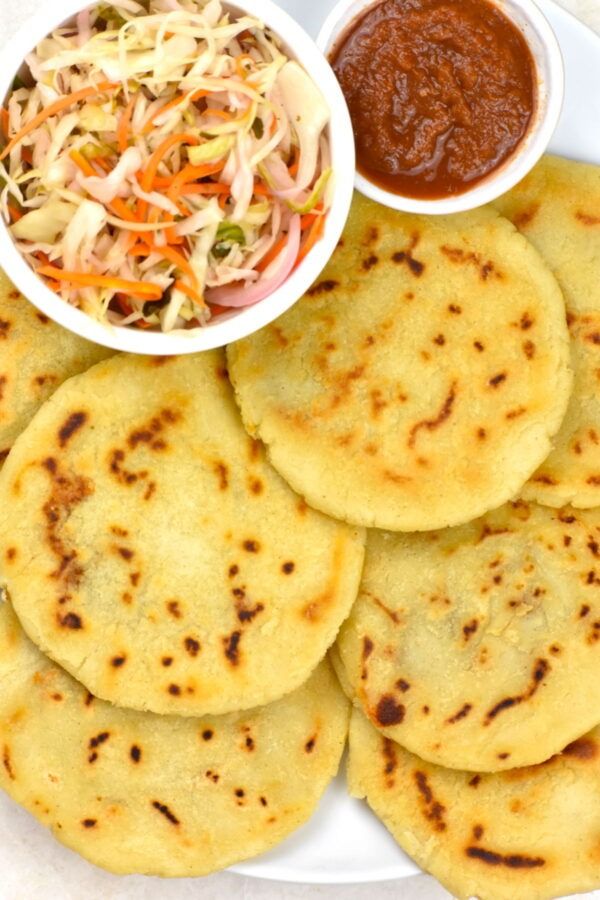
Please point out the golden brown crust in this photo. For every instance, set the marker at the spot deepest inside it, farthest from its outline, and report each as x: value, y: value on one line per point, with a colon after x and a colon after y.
x: 554, y: 208
x: 149, y: 547
x: 163, y: 795
x: 478, y: 647
x: 36, y: 356
x: 420, y: 380
x: 524, y: 833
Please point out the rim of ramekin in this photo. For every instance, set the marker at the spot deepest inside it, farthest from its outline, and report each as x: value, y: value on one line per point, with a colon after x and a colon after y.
x: 551, y: 86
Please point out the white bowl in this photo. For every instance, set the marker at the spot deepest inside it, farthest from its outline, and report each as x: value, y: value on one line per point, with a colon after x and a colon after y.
x: 551, y: 85
x: 232, y: 325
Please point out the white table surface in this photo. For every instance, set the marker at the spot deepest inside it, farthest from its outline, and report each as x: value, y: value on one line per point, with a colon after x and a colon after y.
x: 92, y: 883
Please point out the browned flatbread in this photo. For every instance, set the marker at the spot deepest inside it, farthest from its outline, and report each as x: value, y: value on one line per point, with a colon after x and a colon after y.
x: 557, y: 207
x: 528, y: 833
x: 420, y: 381
x: 163, y: 795
x: 36, y: 356
x: 478, y: 647
x: 149, y: 547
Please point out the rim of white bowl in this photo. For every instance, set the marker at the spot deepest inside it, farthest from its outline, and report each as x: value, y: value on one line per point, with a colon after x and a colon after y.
x: 230, y: 326
x: 544, y: 45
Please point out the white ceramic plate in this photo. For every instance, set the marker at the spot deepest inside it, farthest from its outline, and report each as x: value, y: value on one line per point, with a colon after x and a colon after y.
x: 344, y: 842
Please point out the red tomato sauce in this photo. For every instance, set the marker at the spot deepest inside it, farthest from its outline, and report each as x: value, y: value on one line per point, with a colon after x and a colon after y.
x: 441, y: 93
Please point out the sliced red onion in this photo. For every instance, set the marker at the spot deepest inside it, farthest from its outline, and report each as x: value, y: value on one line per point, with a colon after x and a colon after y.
x: 286, y: 186
x: 248, y: 296
x: 242, y: 186
x: 84, y: 28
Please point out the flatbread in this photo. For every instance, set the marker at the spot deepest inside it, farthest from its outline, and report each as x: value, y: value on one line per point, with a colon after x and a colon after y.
x: 478, y: 647
x: 530, y: 832
x: 557, y: 207
x: 36, y: 355
x: 161, y: 795
x: 426, y: 344
x: 150, y: 549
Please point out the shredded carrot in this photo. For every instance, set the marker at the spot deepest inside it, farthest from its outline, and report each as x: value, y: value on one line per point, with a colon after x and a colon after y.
x: 190, y: 292
x: 160, y: 181
x: 307, y: 220
x: 155, y: 215
x: 171, y: 236
x: 190, y: 173
x: 314, y: 234
x: 261, y: 189
x: 136, y: 249
x: 120, y: 208
x: 90, y: 279
x: 272, y: 254
x: 168, y: 253
x: 293, y: 169
x: 139, y: 250
x: 183, y: 208
x: 123, y: 126
x: 4, y: 120
x: 117, y: 206
x: 172, y: 104
x: 177, y: 259
x: 220, y: 113
x: 214, y: 187
x: 15, y: 214
x: 54, y: 108
x: 198, y: 94
x: 27, y: 155
x: 82, y: 163
x: 216, y: 311
x: 149, y: 173
x: 239, y: 68
x: 163, y: 148
x: 103, y: 163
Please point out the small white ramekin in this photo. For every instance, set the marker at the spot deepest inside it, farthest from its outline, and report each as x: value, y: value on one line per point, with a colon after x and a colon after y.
x: 551, y: 83
x: 238, y: 323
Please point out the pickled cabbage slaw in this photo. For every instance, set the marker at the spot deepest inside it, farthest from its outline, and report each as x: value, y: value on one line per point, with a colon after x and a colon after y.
x: 164, y: 161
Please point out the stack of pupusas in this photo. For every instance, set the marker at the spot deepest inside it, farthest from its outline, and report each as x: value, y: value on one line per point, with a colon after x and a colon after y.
x: 185, y: 716
x: 177, y: 566
x: 424, y: 389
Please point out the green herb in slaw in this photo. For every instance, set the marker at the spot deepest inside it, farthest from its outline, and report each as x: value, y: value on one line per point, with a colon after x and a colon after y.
x: 164, y: 160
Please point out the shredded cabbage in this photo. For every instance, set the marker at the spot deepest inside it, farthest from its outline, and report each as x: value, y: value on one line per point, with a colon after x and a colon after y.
x: 169, y: 142
x: 45, y: 223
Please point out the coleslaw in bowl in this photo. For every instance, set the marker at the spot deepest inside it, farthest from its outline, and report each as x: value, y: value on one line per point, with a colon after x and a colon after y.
x: 170, y: 169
